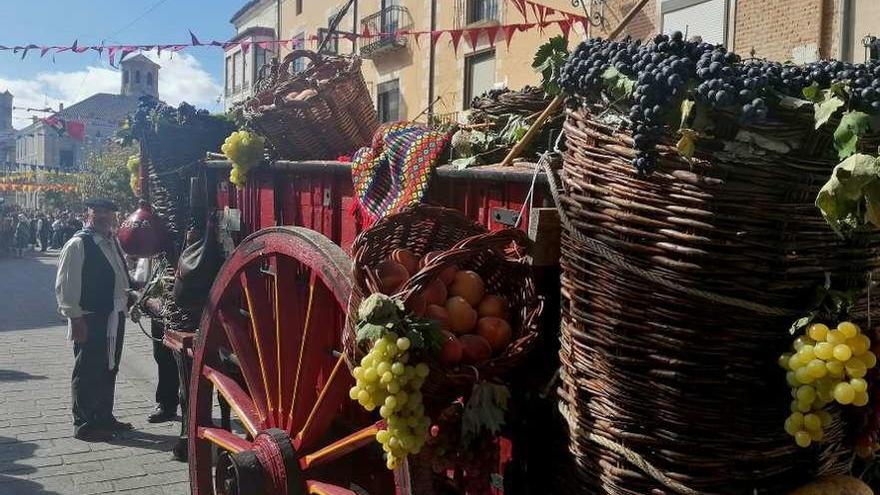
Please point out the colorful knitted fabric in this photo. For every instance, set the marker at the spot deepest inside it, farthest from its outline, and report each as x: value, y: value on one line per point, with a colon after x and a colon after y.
x: 394, y: 172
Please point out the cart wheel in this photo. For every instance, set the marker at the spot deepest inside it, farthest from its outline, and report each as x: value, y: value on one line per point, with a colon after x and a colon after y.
x: 276, y: 312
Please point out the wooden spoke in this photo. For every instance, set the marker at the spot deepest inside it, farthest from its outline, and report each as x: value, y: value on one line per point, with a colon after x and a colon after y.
x: 247, y: 357
x: 326, y: 406
x: 224, y: 439
x: 263, y: 330
x: 342, y: 447
x: 318, y: 488
x: 238, y: 400
x: 315, y: 359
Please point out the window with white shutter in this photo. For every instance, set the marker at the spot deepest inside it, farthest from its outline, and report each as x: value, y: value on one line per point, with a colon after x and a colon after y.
x: 704, y: 18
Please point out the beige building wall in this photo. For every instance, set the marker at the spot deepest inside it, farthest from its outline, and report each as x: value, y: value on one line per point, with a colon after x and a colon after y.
x: 410, y: 65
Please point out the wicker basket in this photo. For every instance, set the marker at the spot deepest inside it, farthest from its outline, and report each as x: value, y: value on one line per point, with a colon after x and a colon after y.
x: 321, y: 113
x: 422, y: 229
x: 678, y: 290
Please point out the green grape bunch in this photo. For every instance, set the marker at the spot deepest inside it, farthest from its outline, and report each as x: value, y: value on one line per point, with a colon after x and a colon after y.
x: 386, y: 380
x: 245, y: 150
x: 825, y: 366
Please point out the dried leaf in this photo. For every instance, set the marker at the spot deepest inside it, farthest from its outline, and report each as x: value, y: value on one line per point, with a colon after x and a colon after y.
x: 852, y: 184
x: 687, y: 144
x: 824, y: 110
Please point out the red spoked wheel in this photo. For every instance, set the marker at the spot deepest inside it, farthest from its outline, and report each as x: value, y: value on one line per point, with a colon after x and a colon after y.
x: 270, y: 345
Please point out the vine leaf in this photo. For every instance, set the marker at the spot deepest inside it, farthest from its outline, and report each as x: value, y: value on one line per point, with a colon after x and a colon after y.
x: 824, y: 110
x: 618, y: 84
x: 853, y: 125
x: 484, y: 411
x: 687, y: 108
x: 854, y: 183
x: 813, y: 93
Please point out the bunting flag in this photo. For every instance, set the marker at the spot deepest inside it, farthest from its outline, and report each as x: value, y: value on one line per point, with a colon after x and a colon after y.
x: 542, y: 15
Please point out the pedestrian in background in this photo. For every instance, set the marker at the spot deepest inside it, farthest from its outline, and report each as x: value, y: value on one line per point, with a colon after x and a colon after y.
x: 22, y: 236
x: 92, y: 292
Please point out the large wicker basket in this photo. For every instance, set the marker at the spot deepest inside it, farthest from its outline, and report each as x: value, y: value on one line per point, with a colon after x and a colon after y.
x: 321, y: 113
x: 678, y: 291
x: 423, y: 229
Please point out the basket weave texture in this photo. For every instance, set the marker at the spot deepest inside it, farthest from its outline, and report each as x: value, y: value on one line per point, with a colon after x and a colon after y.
x: 321, y: 113
x: 678, y: 290
x: 423, y: 229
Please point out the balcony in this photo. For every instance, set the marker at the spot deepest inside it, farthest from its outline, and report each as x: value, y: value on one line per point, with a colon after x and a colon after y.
x: 385, y: 27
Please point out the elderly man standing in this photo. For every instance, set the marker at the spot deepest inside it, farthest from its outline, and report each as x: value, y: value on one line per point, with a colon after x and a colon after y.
x: 92, y: 289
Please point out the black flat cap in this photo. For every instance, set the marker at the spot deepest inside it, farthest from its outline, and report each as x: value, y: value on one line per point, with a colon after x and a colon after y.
x: 101, y: 203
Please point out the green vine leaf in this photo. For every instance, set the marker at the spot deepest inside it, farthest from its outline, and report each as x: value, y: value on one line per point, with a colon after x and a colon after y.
x: 853, y: 125
x: 824, y: 110
x: 812, y: 93
x: 618, y: 84
x: 548, y: 61
x: 853, y: 183
x: 484, y: 411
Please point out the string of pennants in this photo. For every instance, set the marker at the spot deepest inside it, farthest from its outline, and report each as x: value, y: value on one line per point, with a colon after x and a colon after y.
x: 534, y: 14
x: 34, y: 187
x: 43, y: 176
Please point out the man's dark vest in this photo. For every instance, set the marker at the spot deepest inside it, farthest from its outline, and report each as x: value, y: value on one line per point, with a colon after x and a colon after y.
x: 98, y: 277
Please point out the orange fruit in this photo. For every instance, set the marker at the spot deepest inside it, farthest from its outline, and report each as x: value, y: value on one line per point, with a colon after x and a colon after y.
x: 462, y: 317
x: 436, y: 292
x: 406, y: 258
x: 468, y: 285
x: 438, y: 314
x: 448, y: 273
x: 452, y: 350
x: 392, y: 276
x: 496, y: 331
x: 416, y: 304
x: 475, y: 349
x: 492, y: 305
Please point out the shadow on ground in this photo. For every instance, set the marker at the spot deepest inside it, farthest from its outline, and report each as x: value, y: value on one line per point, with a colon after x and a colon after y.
x: 11, y: 483
x: 18, y: 376
x: 145, y: 440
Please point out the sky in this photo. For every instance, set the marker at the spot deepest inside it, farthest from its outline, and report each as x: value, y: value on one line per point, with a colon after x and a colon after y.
x: 193, y: 75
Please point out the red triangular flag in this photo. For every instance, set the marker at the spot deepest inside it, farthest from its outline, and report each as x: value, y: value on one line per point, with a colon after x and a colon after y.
x: 521, y: 7
x: 542, y: 12
x: 367, y: 33
x: 474, y: 37
x: 264, y: 45
x: 456, y: 38
x: 492, y: 33
x: 548, y: 12
x: 75, y: 129
x: 535, y: 10
x: 245, y: 45
x: 435, y: 35
x: 509, y: 30
x: 565, y: 26
x: 195, y: 41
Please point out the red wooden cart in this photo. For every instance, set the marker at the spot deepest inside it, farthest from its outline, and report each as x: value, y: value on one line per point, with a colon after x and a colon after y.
x: 270, y: 337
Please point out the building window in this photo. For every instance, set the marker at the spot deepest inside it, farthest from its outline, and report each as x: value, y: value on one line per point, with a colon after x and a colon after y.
x: 299, y: 43
x: 704, y: 18
x: 261, y: 56
x: 230, y: 76
x: 149, y: 79
x: 482, y: 10
x: 137, y: 77
x: 125, y: 76
x: 388, y: 101
x: 237, y: 68
x: 479, y: 75
x: 299, y: 7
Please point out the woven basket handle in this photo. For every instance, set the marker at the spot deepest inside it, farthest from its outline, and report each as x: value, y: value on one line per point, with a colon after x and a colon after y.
x: 459, y: 253
x: 291, y: 57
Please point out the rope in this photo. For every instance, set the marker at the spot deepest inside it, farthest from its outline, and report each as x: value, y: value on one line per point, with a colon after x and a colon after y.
x: 601, y: 249
x: 630, y: 455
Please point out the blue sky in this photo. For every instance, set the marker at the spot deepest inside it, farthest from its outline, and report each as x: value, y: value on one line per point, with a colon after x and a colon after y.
x: 194, y: 75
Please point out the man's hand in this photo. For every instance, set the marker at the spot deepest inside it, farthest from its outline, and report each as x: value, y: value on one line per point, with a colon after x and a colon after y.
x: 79, y: 331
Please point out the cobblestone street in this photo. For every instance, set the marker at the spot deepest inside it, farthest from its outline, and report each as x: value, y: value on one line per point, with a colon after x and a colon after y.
x: 38, y: 454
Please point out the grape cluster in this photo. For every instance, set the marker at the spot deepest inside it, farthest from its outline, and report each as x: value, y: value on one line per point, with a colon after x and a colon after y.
x: 386, y: 380
x: 134, y: 166
x: 826, y: 366
x: 476, y: 462
x: 669, y: 69
x: 245, y: 150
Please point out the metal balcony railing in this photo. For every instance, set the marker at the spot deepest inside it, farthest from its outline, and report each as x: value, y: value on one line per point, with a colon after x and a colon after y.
x: 385, y: 27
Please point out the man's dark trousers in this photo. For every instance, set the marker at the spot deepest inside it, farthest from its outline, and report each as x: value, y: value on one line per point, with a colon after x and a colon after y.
x: 167, y: 389
x: 93, y: 384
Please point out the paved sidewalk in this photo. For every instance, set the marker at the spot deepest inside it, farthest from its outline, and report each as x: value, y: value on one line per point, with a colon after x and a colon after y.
x: 38, y: 454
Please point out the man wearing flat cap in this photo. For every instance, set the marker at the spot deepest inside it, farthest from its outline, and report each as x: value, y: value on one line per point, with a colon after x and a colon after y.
x: 92, y: 289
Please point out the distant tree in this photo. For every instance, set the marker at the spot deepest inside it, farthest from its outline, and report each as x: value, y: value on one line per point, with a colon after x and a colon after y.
x: 104, y: 174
